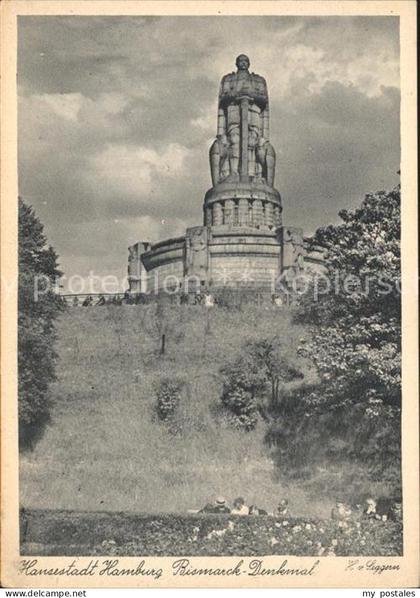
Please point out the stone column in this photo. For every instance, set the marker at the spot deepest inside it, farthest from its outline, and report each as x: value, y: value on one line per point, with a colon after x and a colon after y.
x: 277, y: 216
x: 243, y: 212
x: 217, y: 214
x: 208, y: 216
x: 229, y: 211
x: 257, y: 213
x: 269, y: 215
x: 250, y: 214
x: 235, y: 214
x: 137, y: 274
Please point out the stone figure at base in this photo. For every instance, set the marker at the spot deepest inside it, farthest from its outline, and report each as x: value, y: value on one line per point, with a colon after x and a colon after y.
x: 219, y: 159
x: 266, y: 161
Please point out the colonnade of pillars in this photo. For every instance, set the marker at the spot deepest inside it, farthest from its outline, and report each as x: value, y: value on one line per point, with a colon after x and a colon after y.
x: 244, y: 212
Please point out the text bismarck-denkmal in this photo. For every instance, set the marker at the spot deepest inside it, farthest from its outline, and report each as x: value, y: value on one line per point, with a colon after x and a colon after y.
x: 254, y: 568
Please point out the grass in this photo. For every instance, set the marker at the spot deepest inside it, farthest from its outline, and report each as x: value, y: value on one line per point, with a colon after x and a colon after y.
x: 105, y: 450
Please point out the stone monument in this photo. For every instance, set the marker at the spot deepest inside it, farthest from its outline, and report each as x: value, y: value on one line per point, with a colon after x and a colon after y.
x: 242, y: 159
x: 242, y: 243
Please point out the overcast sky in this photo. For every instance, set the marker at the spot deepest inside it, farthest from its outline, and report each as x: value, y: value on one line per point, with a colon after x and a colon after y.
x: 116, y: 116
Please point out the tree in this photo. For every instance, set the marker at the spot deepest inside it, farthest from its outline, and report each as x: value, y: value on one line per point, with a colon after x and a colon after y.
x: 243, y: 391
x: 254, y: 384
x: 269, y: 356
x: 353, y: 309
x: 38, y: 307
x: 357, y: 345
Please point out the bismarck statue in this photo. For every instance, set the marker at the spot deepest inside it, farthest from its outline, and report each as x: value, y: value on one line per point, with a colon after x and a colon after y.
x: 242, y: 148
x: 242, y: 159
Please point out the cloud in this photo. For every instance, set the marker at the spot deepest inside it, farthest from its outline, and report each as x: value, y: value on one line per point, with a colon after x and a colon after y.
x: 66, y: 106
x: 130, y: 170
x: 116, y: 115
x: 336, y: 145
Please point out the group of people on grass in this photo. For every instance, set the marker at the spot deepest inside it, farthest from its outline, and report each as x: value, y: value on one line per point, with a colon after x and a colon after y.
x: 380, y: 510
x: 383, y: 509
x: 89, y: 301
x: 239, y: 507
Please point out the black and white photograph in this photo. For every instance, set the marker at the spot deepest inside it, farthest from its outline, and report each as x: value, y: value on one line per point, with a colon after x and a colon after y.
x: 209, y: 297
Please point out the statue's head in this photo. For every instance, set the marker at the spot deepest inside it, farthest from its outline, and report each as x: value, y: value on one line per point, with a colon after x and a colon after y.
x: 242, y: 62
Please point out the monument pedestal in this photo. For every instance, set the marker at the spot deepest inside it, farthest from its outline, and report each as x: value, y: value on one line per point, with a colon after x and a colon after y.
x: 250, y: 203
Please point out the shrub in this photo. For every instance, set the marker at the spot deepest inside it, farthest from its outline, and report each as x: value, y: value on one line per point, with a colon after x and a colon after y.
x: 168, y: 396
x: 243, y: 385
x: 254, y: 384
x: 36, y: 332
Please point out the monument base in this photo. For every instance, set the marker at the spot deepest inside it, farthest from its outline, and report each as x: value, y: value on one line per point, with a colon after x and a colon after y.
x: 222, y: 257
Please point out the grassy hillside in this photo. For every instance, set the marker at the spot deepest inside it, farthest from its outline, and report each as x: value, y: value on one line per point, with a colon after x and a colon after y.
x: 104, y: 449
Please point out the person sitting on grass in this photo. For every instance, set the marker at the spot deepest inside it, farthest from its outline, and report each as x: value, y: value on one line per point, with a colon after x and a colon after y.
x: 341, y: 511
x: 387, y: 509
x: 254, y: 510
x: 282, y: 509
x: 87, y: 302
x: 370, y: 509
x: 395, y: 513
x: 208, y: 299
x: 198, y: 298
x: 239, y: 507
x: 219, y: 506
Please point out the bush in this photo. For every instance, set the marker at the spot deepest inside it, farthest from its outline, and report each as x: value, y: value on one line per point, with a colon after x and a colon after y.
x: 36, y: 332
x: 168, y: 396
x: 255, y: 384
x: 243, y: 386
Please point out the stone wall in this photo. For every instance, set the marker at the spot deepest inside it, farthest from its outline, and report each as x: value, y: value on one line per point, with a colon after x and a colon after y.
x: 166, y: 277
x: 244, y: 271
x: 221, y: 256
x: 163, y: 266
